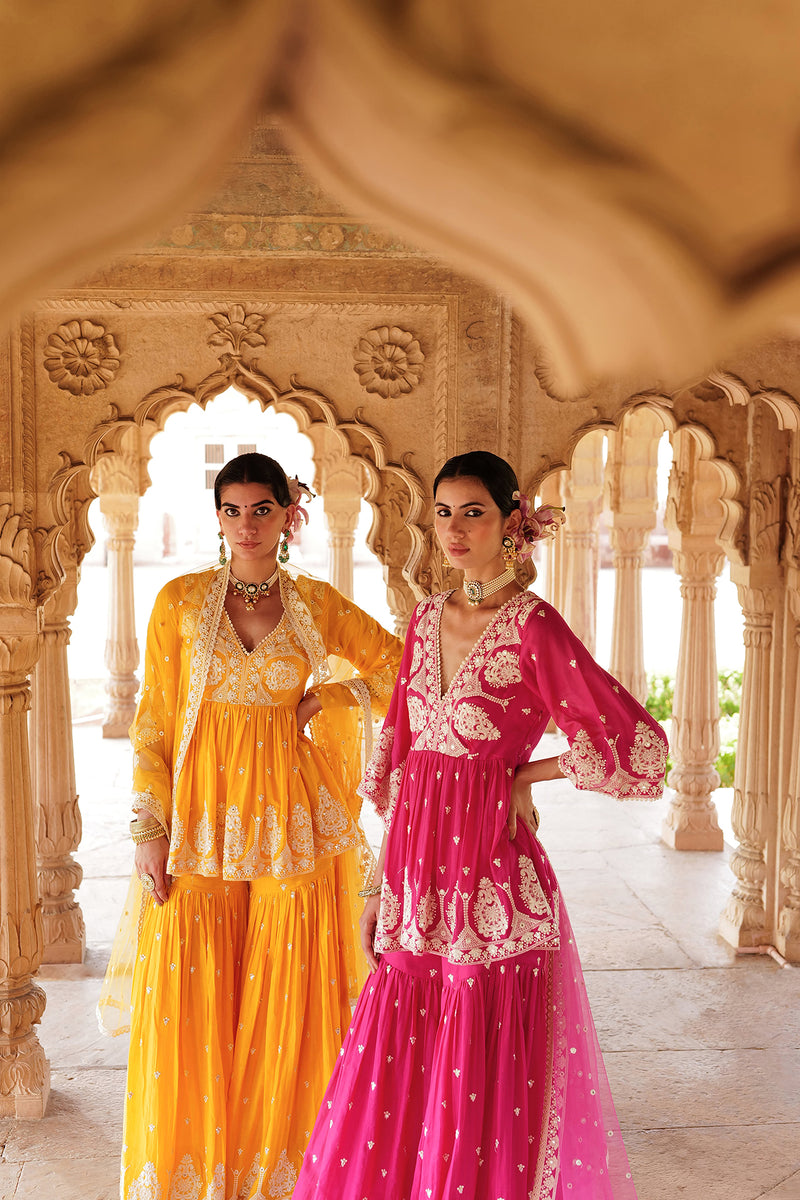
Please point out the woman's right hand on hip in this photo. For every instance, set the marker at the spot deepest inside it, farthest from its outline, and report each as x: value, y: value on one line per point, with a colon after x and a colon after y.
x: 367, y: 923
x: 151, y: 859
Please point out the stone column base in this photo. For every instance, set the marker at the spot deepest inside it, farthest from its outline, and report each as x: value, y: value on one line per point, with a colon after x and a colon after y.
x: 64, y: 934
x: 28, y: 1106
x: 692, y: 839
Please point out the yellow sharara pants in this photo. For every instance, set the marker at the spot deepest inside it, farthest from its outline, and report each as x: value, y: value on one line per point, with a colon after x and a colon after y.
x: 240, y: 1003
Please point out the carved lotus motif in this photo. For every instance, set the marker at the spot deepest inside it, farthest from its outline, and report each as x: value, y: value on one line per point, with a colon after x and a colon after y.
x: 388, y: 361
x: 81, y: 357
x: 237, y: 329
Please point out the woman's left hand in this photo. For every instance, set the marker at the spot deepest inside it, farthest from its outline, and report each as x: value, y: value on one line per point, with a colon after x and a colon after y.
x: 521, y: 806
x: 308, y: 707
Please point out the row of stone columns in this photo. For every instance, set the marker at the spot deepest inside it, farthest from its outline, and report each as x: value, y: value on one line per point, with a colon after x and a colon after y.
x: 40, y: 819
x: 764, y: 906
x: 626, y: 485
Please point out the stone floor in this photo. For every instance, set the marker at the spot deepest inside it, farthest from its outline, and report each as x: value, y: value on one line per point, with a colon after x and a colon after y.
x: 702, y: 1047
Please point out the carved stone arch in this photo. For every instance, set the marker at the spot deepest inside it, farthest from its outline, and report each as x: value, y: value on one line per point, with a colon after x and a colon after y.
x: 719, y: 479
x: 115, y: 445
x: 392, y: 488
x: 729, y: 482
x: 784, y: 406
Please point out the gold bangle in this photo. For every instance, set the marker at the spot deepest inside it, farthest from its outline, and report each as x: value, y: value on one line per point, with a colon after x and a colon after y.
x: 140, y: 823
x: 374, y: 890
x: 147, y: 835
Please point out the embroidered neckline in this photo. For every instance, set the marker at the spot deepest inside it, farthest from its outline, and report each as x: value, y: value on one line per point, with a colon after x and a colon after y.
x: 443, y: 596
x: 247, y: 653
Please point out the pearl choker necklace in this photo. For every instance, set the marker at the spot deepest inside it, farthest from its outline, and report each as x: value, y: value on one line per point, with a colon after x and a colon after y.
x: 251, y: 593
x: 476, y: 592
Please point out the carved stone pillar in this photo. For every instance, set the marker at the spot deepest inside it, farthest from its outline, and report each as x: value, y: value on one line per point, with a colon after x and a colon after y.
x: 552, y: 492
x: 788, y: 939
x: 691, y: 821
x: 761, y: 777
x: 341, y: 499
x: 628, y: 544
x: 695, y: 517
x: 24, y: 1070
x: 632, y: 499
x: 583, y: 499
x: 788, y: 932
x: 744, y: 921
x: 58, y: 818
x: 121, y: 517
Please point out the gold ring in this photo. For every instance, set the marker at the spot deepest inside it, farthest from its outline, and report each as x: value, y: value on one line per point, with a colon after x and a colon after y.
x: 147, y: 882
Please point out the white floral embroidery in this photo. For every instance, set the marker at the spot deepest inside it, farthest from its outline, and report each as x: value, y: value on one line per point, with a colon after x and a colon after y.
x: 235, y: 834
x: 436, y: 723
x: 427, y: 910
x: 274, y: 672
x: 648, y: 755
x: 146, y: 1185
x: 216, y: 1186
x: 491, y: 918
x: 390, y: 908
x: 583, y: 763
x: 416, y: 713
x: 185, y: 1183
x: 471, y: 722
x: 580, y: 764
x: 204, y: 837
x: 363, y: 694
x: 281, y: 675
x: 247, y: 1185
x: 502, y: 669
x: 146, y: 730
x: 301, y: 618
x: 283, y: 1178
x: 332, y: 819
x: 202, y: 649
x: 531, y: 891
x: 300, y: 834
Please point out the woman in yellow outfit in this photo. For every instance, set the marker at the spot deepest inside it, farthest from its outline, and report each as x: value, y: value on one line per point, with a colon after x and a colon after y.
x: 238, y: 943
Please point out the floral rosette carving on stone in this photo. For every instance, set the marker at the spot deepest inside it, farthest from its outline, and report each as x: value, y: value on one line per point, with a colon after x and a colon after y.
x: 80, y: 357
x: 237, y: 329
x: 388, y: 360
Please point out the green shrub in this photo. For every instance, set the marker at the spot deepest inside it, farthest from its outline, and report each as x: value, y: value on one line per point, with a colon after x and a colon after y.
x: 661, y: 696
x: 730, y: 692
x: 726, y: 765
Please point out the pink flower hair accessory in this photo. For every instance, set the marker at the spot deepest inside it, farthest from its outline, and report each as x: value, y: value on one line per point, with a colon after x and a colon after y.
x: 297, y: 491
x: 536, y: 524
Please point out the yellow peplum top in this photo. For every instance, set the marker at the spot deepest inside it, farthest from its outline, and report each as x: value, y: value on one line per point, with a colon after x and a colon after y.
x: 218, y: 758
x: 256, y: 797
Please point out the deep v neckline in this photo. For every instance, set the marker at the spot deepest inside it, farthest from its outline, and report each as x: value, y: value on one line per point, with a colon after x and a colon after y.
x: 440, y: 694
x: 248, y: 653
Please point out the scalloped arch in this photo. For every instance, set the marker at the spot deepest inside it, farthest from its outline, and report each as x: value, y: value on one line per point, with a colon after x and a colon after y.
x: 729, y: 479
x: 393, y: 489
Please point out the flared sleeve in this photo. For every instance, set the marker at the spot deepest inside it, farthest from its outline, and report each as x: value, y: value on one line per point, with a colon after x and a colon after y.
x: 615, y: 745
x: 384, y: 770
x: 153, y: 723
x: 351, y: 634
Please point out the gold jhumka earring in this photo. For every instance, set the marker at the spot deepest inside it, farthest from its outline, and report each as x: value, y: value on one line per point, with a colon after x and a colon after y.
x: 509, y: 552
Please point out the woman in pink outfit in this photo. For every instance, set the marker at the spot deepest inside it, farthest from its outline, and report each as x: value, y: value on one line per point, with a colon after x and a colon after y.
x: 471, y: 1069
